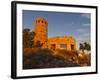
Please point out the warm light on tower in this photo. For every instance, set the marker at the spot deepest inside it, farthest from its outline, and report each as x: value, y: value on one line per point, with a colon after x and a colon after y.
x: 40, y: 29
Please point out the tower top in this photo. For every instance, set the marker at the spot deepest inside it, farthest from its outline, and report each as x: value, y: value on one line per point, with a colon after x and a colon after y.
x: 41, y: 20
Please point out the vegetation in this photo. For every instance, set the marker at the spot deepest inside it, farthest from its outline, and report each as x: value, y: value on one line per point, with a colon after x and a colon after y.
x: 85, y: 46
x: 84, y: 60
x: 68, y: 55
x: 43, y: 58
x: 28, y: 38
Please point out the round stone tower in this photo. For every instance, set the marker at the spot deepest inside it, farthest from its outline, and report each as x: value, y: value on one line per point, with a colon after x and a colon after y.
x: 41, y: 31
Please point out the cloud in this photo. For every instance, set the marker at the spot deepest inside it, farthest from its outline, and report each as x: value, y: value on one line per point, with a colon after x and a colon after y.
x: 84, y: 35
x: 83, y: 30
x: 87, y: 24
x: 86, y: 15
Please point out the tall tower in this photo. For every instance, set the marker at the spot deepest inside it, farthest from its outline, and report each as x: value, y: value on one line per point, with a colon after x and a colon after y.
x: 41, y: 31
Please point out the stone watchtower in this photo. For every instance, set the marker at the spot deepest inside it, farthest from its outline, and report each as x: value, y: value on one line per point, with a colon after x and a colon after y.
x: 41, y: 31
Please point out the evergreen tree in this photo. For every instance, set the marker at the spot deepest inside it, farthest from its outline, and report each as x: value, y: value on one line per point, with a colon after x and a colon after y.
x: 28, y: 38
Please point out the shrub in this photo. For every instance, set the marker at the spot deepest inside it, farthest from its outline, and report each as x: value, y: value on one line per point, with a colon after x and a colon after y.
x: 44, y: 58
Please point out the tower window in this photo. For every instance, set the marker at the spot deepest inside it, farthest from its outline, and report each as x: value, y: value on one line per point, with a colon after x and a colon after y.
x: 38, y: 21
x: 45, y: 23
x: 42, y: 21
x: 40, y: 31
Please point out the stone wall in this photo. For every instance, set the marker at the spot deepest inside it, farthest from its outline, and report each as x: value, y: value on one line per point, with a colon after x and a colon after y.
x: 62, y: 42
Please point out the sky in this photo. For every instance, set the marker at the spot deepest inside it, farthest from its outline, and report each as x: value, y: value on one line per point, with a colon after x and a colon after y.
x: 73, y: 24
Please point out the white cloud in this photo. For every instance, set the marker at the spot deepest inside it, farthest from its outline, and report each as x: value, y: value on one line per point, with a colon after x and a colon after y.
x: 83, y: 30
x: 87, y: 24
x: 87, y: 15
x: 86, y: 34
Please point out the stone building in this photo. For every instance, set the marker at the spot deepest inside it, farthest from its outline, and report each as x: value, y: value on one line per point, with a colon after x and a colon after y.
x: 57, y: 42
x: 62, y: 42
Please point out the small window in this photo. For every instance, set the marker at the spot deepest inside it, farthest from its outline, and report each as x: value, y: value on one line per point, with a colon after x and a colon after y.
x: 38, y: 21
x: 63, y: 46
x: 42, y: 21
x: 40, y: 31
x: 72, y: 47
x: 45, y: 23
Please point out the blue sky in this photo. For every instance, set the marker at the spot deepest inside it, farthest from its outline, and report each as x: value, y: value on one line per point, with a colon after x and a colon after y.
x: 61, y: 23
